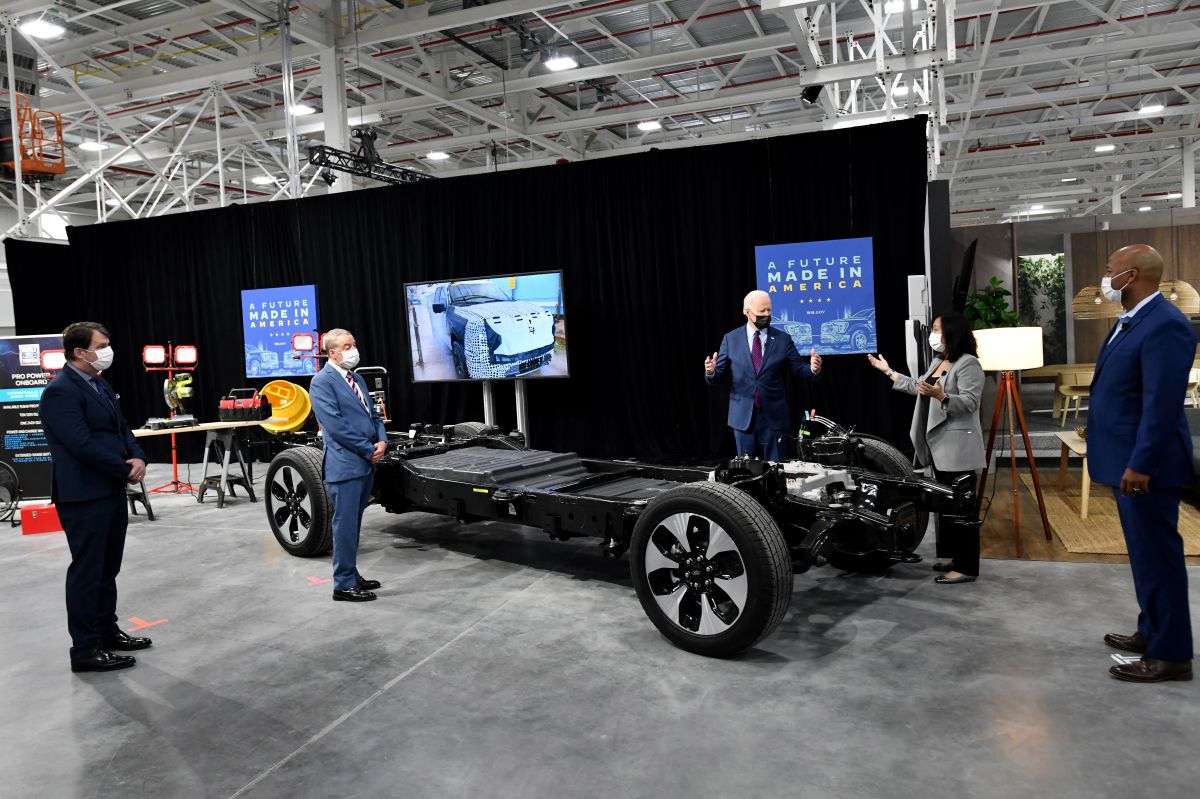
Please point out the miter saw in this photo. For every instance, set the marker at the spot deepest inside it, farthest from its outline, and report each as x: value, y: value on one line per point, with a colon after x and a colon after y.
x: 176, y: 389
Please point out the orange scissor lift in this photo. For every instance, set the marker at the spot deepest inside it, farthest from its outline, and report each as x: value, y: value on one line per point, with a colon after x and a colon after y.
x: 39, y: 143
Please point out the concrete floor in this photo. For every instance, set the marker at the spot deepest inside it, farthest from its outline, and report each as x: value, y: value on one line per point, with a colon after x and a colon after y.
x: 497, y: 663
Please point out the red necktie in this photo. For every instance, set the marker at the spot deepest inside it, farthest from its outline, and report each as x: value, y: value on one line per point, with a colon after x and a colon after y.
x: 357, y: 391
x: 756, y: 357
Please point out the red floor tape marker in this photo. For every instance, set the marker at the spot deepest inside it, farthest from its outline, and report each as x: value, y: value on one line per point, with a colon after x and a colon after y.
x: 317, y: 580
x: 141, y: 624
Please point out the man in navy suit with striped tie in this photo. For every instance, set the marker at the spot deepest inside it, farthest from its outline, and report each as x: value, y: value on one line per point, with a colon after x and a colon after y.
x: 354, y: 441
x: 755, y: 360
x: 1138, y: 443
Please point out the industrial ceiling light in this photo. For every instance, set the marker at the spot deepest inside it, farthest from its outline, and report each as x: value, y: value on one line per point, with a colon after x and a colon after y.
x: 1174, y: 195
x: 92, y: 146
x: 556, y: 61
x: 1105, y: 148
x: 901, y: 90
x: 113, y: 202
x: 328, y: 176
x: 1070, y: 180
x: 1151, y: 108
x: 302, y: 110
x: 1036, y: 207
x: 1144, y: 208
x: 649, y: 126
x: 437, y: 155
x: 262, y: 180
x: 44, y: 27
x: 897, y: 6
x: 811, y: 93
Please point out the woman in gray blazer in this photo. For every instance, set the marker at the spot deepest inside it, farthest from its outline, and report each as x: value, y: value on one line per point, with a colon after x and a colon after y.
x: 945, y: 428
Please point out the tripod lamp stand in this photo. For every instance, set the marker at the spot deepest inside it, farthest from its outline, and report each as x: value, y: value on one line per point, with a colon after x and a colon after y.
x: 171, y: 359
x: 1008, y: 350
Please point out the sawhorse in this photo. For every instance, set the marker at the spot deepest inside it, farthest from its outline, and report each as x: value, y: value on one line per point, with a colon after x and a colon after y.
x: 222, y: 444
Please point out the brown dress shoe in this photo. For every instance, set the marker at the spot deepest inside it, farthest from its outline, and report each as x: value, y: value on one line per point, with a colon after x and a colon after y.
x: 1151, y: 670
x: 1127, y: 643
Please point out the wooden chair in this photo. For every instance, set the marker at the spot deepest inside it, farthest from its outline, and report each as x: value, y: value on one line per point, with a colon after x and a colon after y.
x: 1193, y: 387
x: 1074, y: 386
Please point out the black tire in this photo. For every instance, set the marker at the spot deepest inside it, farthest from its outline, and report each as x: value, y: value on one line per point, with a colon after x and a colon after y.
x: 460, y: 360
x: 254, y: 367
x: 759, y: 551
x: 468, y: 429
x: 298, y: 507
x: 880, y: 456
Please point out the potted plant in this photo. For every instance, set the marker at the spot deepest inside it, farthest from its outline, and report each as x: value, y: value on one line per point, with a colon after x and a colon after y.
x: 985, y: 309
x: 989, y: 307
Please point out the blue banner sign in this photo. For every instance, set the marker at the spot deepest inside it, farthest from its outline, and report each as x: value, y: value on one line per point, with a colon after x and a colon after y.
x: 822, y: 293
x: 270, y: 317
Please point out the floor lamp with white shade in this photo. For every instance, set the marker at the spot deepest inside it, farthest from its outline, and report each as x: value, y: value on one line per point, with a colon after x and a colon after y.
x: 1008, y: 350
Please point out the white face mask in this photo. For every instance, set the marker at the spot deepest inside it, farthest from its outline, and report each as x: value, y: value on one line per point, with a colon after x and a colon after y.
x: 104, y: 358
x: 935, y: 342
x: 350, y: 358
x: 1111, y: 294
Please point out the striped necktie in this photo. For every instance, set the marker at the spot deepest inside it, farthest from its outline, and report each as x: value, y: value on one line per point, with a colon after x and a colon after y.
x: 357, y: 391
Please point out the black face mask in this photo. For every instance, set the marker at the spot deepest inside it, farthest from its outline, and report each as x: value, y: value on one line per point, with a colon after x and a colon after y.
x: 761, y: 322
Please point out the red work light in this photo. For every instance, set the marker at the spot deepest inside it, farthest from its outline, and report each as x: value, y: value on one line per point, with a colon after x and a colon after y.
x: 302, y: 342
x: 154, y: 354
x: 185, y: 354
x: 53, y: 360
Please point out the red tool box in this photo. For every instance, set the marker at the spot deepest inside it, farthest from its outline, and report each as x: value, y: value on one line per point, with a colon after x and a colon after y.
x: 243, y: 405
x: 40, y: 519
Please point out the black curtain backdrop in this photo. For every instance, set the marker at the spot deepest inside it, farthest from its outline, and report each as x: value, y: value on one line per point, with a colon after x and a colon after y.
x: 656, y: 249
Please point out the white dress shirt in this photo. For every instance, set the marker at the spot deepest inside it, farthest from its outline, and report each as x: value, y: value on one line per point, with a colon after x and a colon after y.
x: 1128, y: 316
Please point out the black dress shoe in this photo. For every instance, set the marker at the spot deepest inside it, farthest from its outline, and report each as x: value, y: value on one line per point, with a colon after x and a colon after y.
x: 962, y: 578
x: 947, y: 566
x: 1127, y: 643
x: 102, y: 660
x: 1151, y: 670
x: 355, y: 594
x: 368, y: 585
x: 121, y: 641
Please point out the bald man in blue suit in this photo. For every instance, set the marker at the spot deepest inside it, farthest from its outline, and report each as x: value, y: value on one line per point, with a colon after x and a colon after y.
x: 1138, y: 443
x: 755, y: 360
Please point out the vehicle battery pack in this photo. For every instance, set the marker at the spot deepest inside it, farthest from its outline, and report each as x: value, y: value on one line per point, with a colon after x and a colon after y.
x: 40, y: 519
x: 243, y: 405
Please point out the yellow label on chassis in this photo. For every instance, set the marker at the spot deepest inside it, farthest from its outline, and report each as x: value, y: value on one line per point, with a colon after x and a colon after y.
x: 481, y: 490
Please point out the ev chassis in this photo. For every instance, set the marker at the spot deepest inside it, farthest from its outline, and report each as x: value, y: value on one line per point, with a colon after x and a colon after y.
x: 712, y: 553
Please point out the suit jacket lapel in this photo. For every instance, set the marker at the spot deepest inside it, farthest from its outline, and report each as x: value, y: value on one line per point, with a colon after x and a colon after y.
x: 1108, y: 348
x: 93, y: 391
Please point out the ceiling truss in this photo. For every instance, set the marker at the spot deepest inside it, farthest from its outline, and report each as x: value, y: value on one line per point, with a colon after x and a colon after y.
x: 189, y: 96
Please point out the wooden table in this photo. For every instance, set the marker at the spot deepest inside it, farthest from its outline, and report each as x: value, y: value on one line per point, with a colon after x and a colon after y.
x: 222, y: 433
x: 142, y: 432
x: 1072, y: 443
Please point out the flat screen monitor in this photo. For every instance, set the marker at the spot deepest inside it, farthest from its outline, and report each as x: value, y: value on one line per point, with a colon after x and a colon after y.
x: 487, y: 328
x: 270, y: 317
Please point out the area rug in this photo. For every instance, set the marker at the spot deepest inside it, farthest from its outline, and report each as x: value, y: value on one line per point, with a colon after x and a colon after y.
x: 1100, y: 532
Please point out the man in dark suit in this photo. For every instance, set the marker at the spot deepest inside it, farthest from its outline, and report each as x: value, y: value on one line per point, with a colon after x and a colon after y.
x: 94, y: 455
x: 755, y: 358
x: 354, y: 441
x: 1138, y: 443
